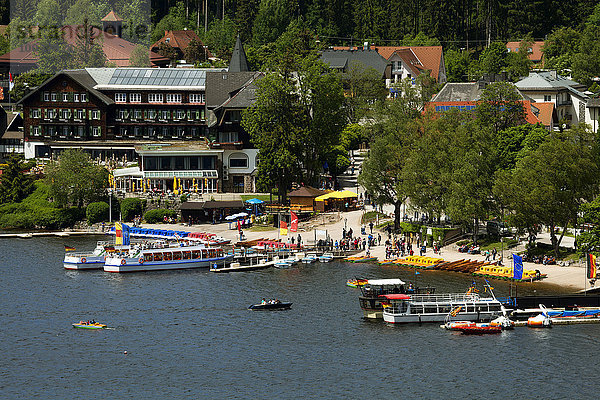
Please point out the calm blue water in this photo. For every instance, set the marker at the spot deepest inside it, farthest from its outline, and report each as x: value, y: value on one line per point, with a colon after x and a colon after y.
x: 188, y: 334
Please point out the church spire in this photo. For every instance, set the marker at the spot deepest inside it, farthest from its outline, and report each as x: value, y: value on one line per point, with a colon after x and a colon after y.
x: 238, y: 58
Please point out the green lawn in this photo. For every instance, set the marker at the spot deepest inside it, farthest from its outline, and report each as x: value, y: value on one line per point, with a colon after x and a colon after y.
x: 263, y: 197
x: 262, y: 228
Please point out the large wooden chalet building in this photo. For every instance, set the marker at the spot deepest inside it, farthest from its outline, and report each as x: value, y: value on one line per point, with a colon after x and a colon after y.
x: 176, y: 123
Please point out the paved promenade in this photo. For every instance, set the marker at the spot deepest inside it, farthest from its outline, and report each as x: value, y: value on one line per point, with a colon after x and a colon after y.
x: 572, y: 277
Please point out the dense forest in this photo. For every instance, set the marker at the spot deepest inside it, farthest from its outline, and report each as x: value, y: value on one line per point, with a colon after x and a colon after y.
x: 454, y: 23
x: 465, y: 28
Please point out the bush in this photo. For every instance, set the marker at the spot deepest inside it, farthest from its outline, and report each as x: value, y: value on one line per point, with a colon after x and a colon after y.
x: 408, y: 227
x: 157, y: 216
x: 183, y: 198
x: 97, y: 212
x: 130, y: 207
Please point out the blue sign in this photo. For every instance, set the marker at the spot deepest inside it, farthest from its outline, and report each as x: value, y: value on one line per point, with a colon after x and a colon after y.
x: 518, y: 267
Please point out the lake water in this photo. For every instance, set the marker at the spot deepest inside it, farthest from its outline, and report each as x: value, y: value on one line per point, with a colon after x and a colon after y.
x: 189, y: 334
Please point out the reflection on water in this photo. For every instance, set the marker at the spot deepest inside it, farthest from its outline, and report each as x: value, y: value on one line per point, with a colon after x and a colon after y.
x: 190, y: 334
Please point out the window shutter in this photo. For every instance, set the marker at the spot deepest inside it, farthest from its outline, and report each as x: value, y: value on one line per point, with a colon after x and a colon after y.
x: 90, y: 114
x: 99, y: 114
x: 197, y: 115
x: 189, y: 114
x: 70, y: 113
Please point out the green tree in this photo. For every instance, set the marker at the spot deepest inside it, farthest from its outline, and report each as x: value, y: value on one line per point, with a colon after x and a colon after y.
x: 166, y: 50
x: 175, y: 20
x: 86, y: 10
x: 500, y: 106
x: 48, y: 15
x: 140, y: 57
x: 549, y: 185
x: 25, y: 82
x: 272, y: 19
x: 364, y: 88
x: 457, y: 65
x: 15, y: 185
x: 53, y: 53
x: 88, y: 52
x: 130, y: 207
x: 493, y: 58
x: 518, y: 63
x: 294, y: 122
x: 195, y: 52
x: 586, y: 63
x: 515, y: 142
x: 75, y: 180
x: 97, y: 212
x: 560, y: 48
x: 220, y: 37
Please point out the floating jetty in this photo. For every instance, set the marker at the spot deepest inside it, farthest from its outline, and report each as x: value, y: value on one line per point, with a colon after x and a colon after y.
x: 236, y: 267
x: 29, y: 235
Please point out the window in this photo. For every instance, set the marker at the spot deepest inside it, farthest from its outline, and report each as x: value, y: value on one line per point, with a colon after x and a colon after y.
x: 238, y: 160
x: 180, y: 114
x: 53, y: 96
x: 120, y: 97
x: 164, y: 115
x: 173, y: 98
x: 80, y: 131
x: 228, y: 137
x: 36, y: 131
x: 83, y: 97
x: 152, y: 114
x: 238, y: 184
x: 80, y: 114
x: 122, y: 131
x: 122, y: 114
x: 155, y: 98
x: 547, y: 98
x: 96, y: 131
x: 135, y: 97
x: 197, y: 98
x: 137, y: 114
x: 95, y: 114
x: 65, y: 97
x: 76, y: 97
x: 180, y: 131
x: 36, y: 113
x: 46, y: 96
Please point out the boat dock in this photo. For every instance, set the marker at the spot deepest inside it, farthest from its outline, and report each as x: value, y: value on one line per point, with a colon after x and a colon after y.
x: 28, y: 235
x: 558, y: 321
x: 236, y: 267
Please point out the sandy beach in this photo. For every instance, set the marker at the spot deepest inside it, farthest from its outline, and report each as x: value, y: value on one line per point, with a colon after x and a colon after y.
x: 572, y: 277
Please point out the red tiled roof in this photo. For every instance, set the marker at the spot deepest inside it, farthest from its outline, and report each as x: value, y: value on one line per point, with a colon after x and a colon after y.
x: 536, y: 54
x: 178, y: 40
x: 112, y: 17
x: 546, y: 112
x: 116, y: 49
x: 429, y: 56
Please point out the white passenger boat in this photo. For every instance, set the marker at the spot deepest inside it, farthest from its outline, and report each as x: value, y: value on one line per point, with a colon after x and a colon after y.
x: 93, y: 260
x: 406, y: 308
x: 172, y: 256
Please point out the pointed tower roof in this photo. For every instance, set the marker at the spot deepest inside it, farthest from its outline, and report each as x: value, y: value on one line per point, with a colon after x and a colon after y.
x: 238, y: 58
x: 112, y: 17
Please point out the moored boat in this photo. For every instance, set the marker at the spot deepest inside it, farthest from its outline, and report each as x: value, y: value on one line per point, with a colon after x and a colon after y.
x: 170, y: 256
x: 371, y: 300
x: 542, y: 320
x: 356, y: 282
x: 93, y: 260
x: 326, y: 257
x: 403, y: 308
x: 309, y: 258
x: 480, y: 329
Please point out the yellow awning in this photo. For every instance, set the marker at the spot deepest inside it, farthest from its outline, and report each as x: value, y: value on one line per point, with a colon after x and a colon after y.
x: 344, y: 194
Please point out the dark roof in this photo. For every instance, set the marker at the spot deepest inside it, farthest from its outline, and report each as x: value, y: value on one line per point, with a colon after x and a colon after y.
x: 593, y: 103
x: 112, y: 17
x: 346, y: 58
x: 221, y: 86
x: 244, y: 97
x: 238, y: 61
x: 212, y: 204
x: 80, y: 76
x: 306, y: 191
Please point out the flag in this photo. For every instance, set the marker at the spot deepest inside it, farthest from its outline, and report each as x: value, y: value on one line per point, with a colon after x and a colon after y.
x: 69, y: 248
x: 122, y: 234
x: 239, y: 225
x: 283, y: 228
x: 11, y: 81
x: 293, y: 222
x: 517, y: 267
x: 455, y: 312
x: 591, y: 266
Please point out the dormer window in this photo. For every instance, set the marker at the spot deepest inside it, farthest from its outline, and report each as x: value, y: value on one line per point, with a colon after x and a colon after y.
x: 173, y: 98
x: 120, y: 97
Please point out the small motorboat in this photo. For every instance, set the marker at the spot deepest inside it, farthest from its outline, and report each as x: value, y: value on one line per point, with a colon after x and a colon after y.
x: 326, y: 257
x: 284, y: 263
x: 88, y: 325
x: 541, y: 320
x: 356, y: 282
x: 458, y: 325
x: 309, y: 258
x: 270, y: 306
x: 481, y: 329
